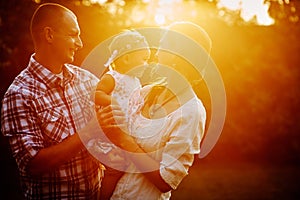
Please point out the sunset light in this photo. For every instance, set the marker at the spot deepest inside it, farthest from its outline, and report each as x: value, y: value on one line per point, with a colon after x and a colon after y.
x: 249, y: 10
x: 160, y: 19
x: 210, y: 103
x: 160, y: 12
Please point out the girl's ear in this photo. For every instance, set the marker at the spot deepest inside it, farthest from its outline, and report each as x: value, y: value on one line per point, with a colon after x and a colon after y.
x: 122, y: 62
x: 48, y: 34
x: 126, y: 59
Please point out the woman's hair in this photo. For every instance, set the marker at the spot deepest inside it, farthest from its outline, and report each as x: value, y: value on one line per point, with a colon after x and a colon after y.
x: 193, y: 31
x: 190, y: 45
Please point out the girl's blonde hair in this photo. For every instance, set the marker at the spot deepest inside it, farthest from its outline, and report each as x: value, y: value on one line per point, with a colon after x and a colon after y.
x: 125, y: 42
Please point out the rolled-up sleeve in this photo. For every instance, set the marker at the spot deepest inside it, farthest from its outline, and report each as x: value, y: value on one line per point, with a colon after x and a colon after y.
x: 20, y: 126
x: 184, y: 143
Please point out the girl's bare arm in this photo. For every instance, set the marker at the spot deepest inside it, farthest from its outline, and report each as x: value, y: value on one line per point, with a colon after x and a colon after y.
x: 104, y: 89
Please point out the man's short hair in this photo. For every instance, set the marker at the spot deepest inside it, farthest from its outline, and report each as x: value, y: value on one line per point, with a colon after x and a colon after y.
x: 46, y: 14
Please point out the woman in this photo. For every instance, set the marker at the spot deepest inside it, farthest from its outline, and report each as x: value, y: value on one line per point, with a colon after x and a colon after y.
x: 164, y: 131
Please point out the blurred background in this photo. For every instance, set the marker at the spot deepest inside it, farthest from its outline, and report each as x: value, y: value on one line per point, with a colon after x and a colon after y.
x: 255, y: 44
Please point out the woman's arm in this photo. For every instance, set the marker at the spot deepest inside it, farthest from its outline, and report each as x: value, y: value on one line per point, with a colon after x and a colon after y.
x: 178, y: 153
x: 145, y: 163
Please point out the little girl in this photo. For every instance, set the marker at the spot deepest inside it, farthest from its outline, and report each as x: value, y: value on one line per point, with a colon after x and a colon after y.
x: 129, y: 50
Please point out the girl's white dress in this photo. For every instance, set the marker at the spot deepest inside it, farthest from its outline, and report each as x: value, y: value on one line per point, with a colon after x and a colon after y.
x: 125, y: 85
x: 172, y: 140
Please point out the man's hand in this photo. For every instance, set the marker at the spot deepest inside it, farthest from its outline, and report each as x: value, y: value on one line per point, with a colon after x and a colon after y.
x: 92, y: 130
x: 113, y: 123
x: 111, y: 117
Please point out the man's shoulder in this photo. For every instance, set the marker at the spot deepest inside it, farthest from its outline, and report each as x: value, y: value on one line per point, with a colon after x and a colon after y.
x: 26, y: 84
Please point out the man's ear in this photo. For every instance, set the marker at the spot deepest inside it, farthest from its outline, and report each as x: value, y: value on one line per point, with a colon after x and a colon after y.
x: 48, y: 34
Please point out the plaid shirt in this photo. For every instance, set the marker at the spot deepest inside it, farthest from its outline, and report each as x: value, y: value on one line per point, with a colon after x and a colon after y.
x: 39, y: 110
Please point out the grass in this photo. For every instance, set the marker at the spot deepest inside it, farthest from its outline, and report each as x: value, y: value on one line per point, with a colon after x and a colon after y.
x: 240, y: 181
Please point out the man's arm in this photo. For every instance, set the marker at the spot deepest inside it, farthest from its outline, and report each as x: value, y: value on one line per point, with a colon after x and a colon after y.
x: 52, y: 157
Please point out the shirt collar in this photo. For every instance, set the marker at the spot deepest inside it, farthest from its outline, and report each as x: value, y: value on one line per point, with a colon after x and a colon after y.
x: 48, y: 77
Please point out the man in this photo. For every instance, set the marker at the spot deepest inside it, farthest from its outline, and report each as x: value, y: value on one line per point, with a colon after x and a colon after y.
x: 46, y: 107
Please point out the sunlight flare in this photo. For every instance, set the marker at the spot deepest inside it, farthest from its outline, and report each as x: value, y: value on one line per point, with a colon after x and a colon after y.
x: 249, y: 10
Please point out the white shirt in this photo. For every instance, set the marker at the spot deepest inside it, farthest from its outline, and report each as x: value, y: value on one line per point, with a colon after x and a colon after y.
x: 173, y: 141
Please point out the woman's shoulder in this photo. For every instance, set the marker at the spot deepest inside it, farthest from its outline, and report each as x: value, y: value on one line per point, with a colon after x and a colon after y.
x: 194, y: 105
x: 190, y: 111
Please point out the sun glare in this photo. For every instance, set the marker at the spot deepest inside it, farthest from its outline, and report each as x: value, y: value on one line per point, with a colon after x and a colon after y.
x: 160, y: 12
x: 101, y: 2
x: 160, y: 19
x: 249, y: 10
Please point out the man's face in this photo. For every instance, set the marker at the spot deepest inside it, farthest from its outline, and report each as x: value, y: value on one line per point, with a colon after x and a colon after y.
x: 66, y: 39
